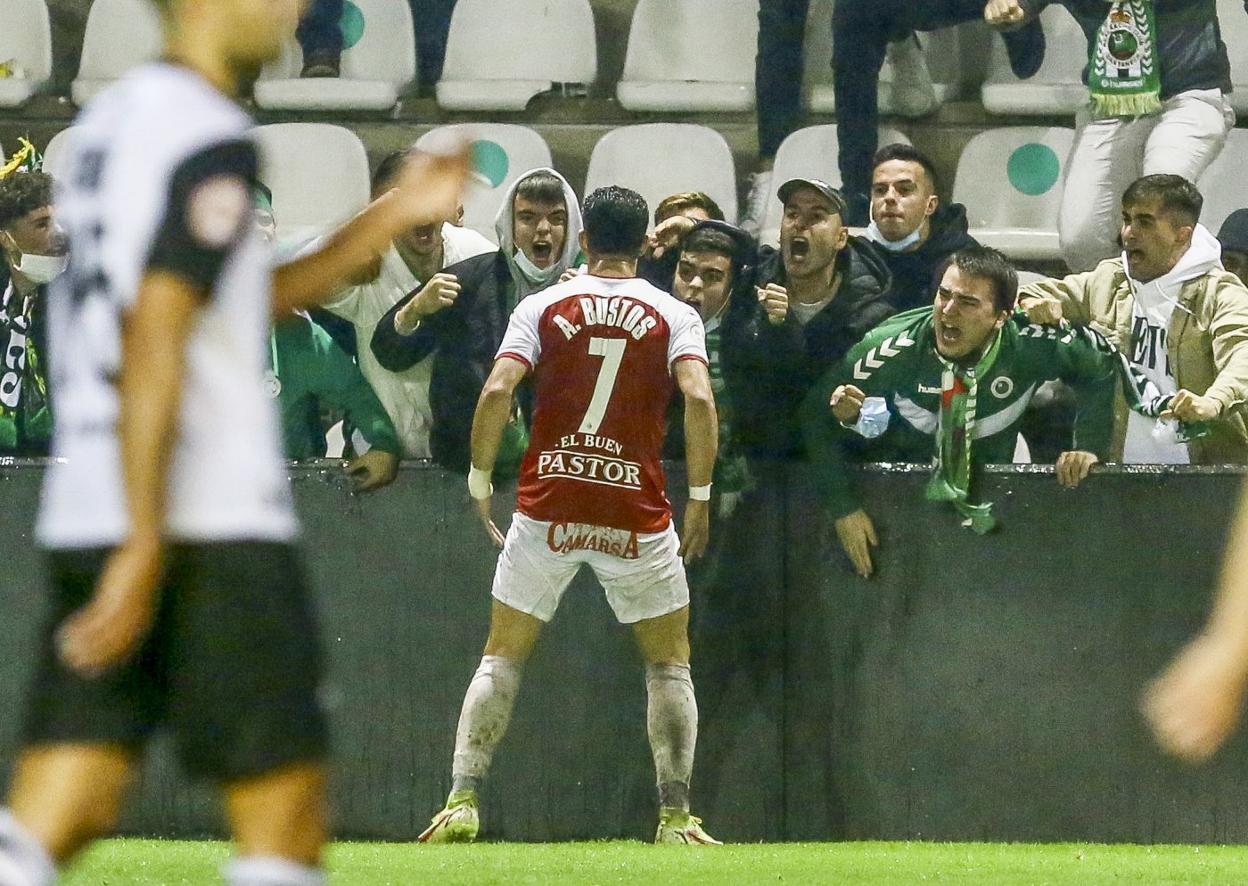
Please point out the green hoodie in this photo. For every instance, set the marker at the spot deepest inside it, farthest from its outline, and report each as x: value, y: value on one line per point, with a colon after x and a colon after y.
x: 897, y: 361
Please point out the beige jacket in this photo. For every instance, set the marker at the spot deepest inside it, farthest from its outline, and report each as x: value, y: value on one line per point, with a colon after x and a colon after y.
x: 1207, y: 344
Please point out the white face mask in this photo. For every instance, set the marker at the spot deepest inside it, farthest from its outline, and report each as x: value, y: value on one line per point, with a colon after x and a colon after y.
x: 41, y: 269
x: 534, y: 274
x: 876, y: 236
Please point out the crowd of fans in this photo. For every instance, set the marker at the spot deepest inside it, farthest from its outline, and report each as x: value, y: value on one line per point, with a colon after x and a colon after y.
x: 908, y: 342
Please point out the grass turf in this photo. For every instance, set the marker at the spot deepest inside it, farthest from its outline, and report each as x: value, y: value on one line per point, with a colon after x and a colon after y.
x: 167, y: 863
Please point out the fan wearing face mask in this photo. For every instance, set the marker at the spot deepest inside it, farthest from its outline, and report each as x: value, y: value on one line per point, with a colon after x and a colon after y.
x: 34, y: 256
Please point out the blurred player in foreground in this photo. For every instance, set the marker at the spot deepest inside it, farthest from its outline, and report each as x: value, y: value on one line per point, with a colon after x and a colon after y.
x: 1196, y: 702
x: 604, y: 349
x: 177, y: 594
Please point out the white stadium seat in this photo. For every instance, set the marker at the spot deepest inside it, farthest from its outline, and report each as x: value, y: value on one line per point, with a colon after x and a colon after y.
x: 668, y: 68
x: 502, y: 53
x: 1010, y: 181
x: 55, y: 154
x: 1221, y: 185
x: 375, y: 70
x: 120, y: 35
x: 899, y: 93
x: 1234, y: 25
x: 661, y: 159
x: 26, y: 41
x: 1054, y: 89
x: 808, y: 153
x: 318, y: 174
x: 502, y: 153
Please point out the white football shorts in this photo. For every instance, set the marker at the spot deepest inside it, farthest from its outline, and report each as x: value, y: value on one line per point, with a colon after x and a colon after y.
x: 642, y: 573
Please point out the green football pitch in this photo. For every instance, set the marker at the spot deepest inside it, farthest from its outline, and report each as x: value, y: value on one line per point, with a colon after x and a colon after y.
x: 126, y: 862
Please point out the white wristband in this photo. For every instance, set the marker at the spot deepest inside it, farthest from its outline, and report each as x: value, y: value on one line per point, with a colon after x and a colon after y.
x: 700, y: 493
x: 479, y: 485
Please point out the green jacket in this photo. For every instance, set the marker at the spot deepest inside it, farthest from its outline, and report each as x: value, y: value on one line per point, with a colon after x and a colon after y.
x: 897, y: 361
x: 312, y: 371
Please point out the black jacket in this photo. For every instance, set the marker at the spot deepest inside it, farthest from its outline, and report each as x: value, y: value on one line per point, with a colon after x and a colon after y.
x: 1189, y: 42
x: 914, y: 272
x: 769, y: 369
x: 463, y: 339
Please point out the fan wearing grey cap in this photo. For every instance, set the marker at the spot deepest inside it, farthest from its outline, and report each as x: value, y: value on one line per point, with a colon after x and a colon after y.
x: 817, y: 296
x: 1233, y: 237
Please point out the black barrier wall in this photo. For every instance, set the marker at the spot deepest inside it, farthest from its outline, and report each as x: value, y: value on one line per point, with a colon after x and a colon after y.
x: 976, y: 688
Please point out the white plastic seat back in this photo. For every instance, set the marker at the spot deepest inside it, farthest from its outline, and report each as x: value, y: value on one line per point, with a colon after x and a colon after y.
x: 501, y: 53
x: 1234, y: 26
x: 502, y: 153
x: 57, y: 152
x: 668, y: 66
x: 899, y: 93
x: 1054, y: 89
x: 661, y: 159
x: 318, y: 174
x: 120, y: 35
x: 809, y: 153
x: 26, y: 41
x: 378, y: 63
x: 1221, y: 185
x: 1010, y: 180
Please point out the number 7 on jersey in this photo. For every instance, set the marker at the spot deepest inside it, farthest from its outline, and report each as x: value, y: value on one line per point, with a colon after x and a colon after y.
x: 612, y: 352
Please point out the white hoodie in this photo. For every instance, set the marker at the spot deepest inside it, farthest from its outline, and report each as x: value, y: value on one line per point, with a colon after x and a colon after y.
x: 1152, y: 308
x: 504, y: 226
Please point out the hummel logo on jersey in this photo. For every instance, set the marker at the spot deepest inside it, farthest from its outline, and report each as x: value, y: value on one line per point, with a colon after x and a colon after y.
x: 874, y: 358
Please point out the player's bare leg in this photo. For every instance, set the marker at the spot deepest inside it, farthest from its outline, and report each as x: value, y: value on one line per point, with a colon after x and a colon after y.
x: 672, y: 722
x: 483, y: 720
x: 63, y: 796
x: 278, y: 821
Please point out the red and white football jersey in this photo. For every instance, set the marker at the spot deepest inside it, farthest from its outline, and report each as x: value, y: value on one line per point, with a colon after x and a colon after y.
x: 601, y: 351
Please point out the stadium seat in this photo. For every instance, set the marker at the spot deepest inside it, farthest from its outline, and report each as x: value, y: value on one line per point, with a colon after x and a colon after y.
x: 1234, y: 25
x: 501, y: 55
x: 808, y: 153
x: 318, y: 174
x: 502, y: 152
x: 57, y: 151
x: 26, y: 44
x: 1219, y: 183
x: 378, y: 63
x: 670, y: 66
x: 660, y: 159
x: 1010, y: 181
x: 1054, y: 89
x: 898, y: 93
x: 120, y: 35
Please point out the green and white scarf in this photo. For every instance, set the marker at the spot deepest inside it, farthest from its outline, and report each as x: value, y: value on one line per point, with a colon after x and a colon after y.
x: 951, y: 468
x: 1123, y: 75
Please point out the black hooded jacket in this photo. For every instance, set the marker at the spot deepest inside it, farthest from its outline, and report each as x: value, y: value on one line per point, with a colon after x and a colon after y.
x: 770, y: 368
x: 914, y: 273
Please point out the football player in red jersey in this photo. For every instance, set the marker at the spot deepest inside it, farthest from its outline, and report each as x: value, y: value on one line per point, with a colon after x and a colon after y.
x: 605, y: 349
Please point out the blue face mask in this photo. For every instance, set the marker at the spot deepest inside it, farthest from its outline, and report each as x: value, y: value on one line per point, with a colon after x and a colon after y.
x: 876, y: 236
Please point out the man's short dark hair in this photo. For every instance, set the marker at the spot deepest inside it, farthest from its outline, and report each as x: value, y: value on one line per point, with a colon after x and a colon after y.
x: 1177, y: 195
x: 540, y: 187
x: 389, y: 168
x: 22, y: 193
x: 907, y: 154
x: 709, y: 240
x: 986, y: 263
x: 672, y: 206
x: 615, y: 221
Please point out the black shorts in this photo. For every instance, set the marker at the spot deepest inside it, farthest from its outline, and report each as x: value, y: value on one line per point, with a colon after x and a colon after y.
x: 232, y: 666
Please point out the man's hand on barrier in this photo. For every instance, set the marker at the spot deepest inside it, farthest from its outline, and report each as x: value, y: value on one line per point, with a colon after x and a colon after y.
x: 1189, y: 407
x: 1004, y: 14
x: 1196, y: 702
x: 1073, y: 467
x: 373, y: 470
x: 846, y: 402
x: 857, y: 535
x: 1042, y: 309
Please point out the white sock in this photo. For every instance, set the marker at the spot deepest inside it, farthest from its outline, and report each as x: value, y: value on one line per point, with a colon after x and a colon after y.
x: 270, y: 870
x: 483, y: 719
x: 672, y: 721
x: 23, y: 860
